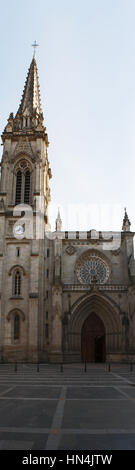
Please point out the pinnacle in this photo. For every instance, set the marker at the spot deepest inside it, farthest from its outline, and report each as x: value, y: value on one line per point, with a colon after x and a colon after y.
x: 126, y: 222
x: 58, y: 221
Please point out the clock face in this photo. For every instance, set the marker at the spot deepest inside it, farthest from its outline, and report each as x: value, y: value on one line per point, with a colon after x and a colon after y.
x: 19, y: 229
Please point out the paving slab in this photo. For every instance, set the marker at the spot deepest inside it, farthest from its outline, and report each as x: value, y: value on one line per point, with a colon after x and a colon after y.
x: 117, y: 414
x: 93, y: 392
x: 22, y: 441
x: 12, y: 444
x: 97, y: 442
x: 130, y: 391
x: 27, y: 413
x: 69, y: 410
x: 34, y: 392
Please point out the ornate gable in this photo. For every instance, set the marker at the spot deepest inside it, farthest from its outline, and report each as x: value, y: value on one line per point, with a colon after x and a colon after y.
x: 23, y: 146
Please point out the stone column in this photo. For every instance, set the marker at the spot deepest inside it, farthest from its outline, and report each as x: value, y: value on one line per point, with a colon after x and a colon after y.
x: 56, y: 346
x: 57, y: 253
x: 125, y: 324
x: 33, y: 328
x: 37, y: 182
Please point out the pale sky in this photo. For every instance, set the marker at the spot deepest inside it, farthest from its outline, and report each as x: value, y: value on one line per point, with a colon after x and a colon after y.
x: 86, y: 65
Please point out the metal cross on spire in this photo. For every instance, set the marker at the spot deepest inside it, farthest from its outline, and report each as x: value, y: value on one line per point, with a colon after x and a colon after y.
x: 34, y: 45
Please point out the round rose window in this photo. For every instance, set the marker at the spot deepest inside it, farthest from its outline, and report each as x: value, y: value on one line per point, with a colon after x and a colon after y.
x: 91, y: 268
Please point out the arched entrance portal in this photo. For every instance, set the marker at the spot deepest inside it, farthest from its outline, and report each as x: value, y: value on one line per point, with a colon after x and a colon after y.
x: 93, y: 339
x: 93, y: 317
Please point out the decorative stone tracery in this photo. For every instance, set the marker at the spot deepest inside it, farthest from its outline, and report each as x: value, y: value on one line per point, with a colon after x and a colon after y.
x: 23, y: 165
x: 92, y: 268
x: 70, y: 250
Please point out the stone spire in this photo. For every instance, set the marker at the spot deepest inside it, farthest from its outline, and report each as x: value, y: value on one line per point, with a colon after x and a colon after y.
x: 58, y: 222
x: 126, y: 222
x: 29, y: 117
x: 30, y: 102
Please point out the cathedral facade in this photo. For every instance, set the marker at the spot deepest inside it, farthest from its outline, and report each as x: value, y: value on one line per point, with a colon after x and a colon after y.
x: 64, y: 296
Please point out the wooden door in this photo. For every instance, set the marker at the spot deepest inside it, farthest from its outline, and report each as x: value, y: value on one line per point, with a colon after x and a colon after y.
x: 93, y: 339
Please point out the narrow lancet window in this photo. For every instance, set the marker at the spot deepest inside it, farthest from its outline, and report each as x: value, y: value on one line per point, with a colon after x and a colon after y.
x: 18, y: 187
x: 27, y: 187
x: 17, y: 283
x: 16, y: 327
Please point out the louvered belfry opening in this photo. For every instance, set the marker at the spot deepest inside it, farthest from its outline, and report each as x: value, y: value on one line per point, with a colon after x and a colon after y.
x: 27, y: 187
x: 18, y: 187
x: 22, y: 187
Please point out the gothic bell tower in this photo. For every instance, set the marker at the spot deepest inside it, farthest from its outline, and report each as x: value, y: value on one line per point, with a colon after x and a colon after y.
x: 25, y: 167
x: 25, y: 174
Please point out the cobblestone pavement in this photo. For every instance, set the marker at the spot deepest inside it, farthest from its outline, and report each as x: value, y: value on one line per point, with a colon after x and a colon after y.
x: 73, y: 409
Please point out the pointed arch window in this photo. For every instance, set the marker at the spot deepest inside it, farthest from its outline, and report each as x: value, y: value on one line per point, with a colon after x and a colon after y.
x: 23, y: 183
x: 18, y: 187
x: 16, y: 327
x: 27, y: 187
x: 17, y: 283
